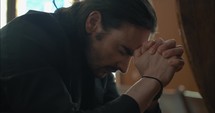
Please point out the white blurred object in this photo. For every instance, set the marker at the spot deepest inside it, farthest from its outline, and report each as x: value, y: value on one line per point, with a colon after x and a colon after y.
x: 182, y: 101
x: 3, y: 12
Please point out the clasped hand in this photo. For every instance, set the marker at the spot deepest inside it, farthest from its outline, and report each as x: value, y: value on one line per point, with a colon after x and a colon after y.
x: 159, y: 59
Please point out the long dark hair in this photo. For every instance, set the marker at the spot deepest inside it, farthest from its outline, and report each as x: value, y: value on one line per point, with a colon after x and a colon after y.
x: 114, y: 13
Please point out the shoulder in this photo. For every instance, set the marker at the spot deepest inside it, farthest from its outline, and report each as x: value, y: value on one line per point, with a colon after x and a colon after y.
x: 32, y: 40
x: 34, y: 27
x: 33, y: 20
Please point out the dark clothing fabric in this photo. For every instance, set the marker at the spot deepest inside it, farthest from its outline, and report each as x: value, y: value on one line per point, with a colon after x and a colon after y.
x: 43, y: 69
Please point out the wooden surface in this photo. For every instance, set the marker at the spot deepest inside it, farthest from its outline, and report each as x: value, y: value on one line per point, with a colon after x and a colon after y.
x: 197, y: 20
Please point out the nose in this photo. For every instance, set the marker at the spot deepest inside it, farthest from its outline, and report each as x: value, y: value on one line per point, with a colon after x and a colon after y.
x: 123, y: 64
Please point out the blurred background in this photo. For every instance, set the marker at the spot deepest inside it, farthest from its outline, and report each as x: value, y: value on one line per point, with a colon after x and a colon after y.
x: 184, y: 93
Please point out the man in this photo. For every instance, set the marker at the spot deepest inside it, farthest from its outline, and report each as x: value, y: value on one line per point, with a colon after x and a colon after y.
x: 62, y: 62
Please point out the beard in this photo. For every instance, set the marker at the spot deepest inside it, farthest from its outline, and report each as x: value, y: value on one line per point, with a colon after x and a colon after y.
x: 103, y: 71
x: 96, y: 58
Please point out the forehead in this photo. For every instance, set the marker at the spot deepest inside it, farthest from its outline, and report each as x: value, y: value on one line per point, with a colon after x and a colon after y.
x: 133, y: 36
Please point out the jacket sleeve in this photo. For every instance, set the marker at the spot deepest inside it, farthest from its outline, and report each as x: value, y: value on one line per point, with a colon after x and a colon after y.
x: 112, y: 93
x: 42, y: 90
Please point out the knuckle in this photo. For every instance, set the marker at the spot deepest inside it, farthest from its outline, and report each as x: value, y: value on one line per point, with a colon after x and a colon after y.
x: 172, y: 40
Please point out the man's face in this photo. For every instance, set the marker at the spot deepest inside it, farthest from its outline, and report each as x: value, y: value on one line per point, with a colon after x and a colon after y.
x: 112, y: 50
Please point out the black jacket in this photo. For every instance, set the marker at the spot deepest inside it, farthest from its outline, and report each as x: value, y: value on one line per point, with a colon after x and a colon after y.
x: 44, y: 70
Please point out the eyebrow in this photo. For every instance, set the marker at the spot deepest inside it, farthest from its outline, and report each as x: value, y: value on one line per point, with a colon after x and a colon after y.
x: 128, y: 51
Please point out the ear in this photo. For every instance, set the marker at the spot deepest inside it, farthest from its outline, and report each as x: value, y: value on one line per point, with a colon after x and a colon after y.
x: 93, y: 22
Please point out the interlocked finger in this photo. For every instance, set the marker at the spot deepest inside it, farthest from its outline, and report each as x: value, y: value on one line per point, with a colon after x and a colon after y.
x: 147, y: 45
x: 168, y: 44
x: 178, y: 51
x: 158, y: 42
x: 176, y: 62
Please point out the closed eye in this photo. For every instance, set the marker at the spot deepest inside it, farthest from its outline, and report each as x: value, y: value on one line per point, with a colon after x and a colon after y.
x: 126, y: 51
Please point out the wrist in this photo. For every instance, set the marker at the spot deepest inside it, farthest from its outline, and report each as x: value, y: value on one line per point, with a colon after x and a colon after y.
x: 158, y: 95
x: 155, y: 79
x: 143, y: 92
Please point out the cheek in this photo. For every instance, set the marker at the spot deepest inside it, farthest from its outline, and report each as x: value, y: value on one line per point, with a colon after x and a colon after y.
x: 109, y: 55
